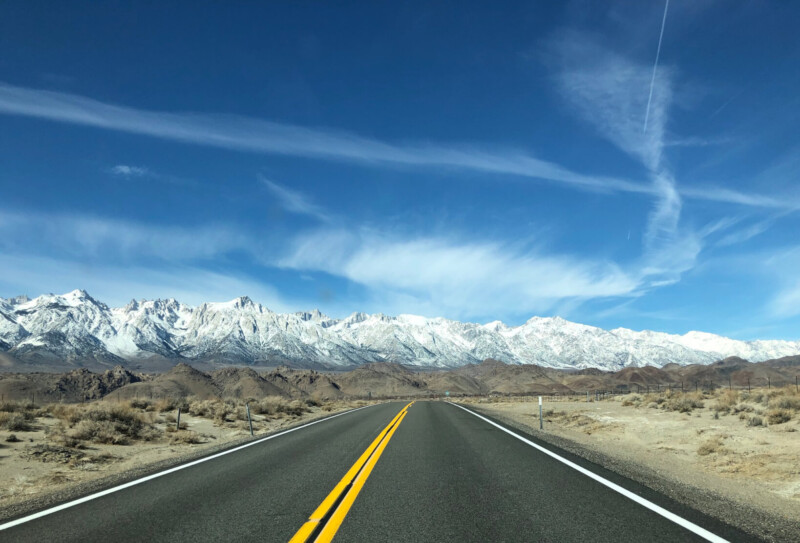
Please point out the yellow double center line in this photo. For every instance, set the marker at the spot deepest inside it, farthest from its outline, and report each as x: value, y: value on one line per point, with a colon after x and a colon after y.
x: 325, y: 521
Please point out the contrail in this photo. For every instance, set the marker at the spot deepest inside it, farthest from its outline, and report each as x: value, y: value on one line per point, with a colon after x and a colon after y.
x: 653, y: 80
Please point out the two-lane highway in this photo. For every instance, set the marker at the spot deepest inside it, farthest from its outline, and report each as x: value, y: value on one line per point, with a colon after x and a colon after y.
x: 430, y: 471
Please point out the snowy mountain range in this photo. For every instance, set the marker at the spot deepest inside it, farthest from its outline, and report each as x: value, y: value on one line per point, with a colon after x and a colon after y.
x: 75, y: 328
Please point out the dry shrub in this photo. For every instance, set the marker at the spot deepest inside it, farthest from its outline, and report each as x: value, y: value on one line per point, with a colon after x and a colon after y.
x: 683, y: 403
x: 8, y: 407
x: 711, y: 446
x: 185, y: 437
x: 553, y: 413
x: 632, y: 400
x: 217, y: 410
x: 755, y: 421
x: 169, y: 404
x: 116, y: 424
x: 726, y: 401
x: 653, y: 398
x: 70, y: 414
x: 172, y: 428
x: 275, y: 405
x: 787, y: 399
x: 138, y: 403
x: 779, y: 416
x: 16, y: 421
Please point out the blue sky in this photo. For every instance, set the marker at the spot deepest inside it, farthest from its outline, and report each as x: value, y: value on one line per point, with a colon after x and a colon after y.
x: 452, y: 160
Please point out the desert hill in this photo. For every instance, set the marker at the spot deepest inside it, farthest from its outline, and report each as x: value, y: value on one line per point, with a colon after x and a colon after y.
x: 387, y: 380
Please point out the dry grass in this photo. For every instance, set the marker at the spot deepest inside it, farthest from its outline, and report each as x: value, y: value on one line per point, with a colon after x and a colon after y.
x: 757, y: 408
x: 667, y: 400
x: 116, y: 424
x: 16, y: 422
x: 123, y: 423
x: 779, y: 416
x: 712, y: 446
x: 275, y: 405
x: 186, y: 437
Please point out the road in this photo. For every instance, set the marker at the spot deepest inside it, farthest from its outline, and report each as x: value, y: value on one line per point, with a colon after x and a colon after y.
x: 431, y: 472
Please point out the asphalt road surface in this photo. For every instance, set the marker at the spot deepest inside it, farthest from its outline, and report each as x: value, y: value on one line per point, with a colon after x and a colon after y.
x: 431, y: 472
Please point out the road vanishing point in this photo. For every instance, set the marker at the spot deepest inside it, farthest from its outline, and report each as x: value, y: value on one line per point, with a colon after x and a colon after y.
x: 420, y: 471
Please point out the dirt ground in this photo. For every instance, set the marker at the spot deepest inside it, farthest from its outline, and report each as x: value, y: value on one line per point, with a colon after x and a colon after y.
x: 704, y: 448
x: 33, y: 465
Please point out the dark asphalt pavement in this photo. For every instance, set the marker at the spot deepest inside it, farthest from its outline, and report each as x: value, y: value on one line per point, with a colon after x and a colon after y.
x: 445, y: 475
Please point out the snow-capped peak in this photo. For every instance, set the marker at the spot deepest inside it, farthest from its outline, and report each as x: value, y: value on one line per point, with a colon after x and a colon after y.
x: 76, y: 326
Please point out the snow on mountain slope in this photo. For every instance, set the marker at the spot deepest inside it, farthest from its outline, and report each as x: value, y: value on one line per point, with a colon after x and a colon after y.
x: 75, y: 326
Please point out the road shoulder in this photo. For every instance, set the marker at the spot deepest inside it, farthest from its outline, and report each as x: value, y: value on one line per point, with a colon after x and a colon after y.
x: 755, y: 521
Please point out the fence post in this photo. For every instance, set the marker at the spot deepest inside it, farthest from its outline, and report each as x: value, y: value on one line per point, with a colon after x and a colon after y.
x: 730, y: 384
x: 769, y: 383
x: 178, y: 423
x: 541, y: 422
x: 748, y: 385
x: 250, y: 422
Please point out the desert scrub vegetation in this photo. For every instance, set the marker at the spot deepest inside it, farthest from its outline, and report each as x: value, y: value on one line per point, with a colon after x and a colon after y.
x: 16, y: 422
x: 17, y: 416
x: 779, y: 416
x: 756, y: 408
x: 225, y: 411
x: 277, y: 406
x: 142, y: 420
x: 712, y: 446
x: 668, y: 401
x: 115, y: 424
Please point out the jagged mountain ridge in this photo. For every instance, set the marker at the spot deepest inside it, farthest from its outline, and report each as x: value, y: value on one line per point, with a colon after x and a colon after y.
x: 75, y: 327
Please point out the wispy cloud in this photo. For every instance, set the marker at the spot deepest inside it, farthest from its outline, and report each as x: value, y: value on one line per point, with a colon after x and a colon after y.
x: 782, y: 267
x: 294, y: 201
x: 246, y: 134
x: 787, y: 302
x: 611, y: 93
x: 108, y: 239
x: 116, y: 285
x: 746, y: 234
x: 454, y: 277
x: 253, y: 135
x: 615, y: 95
x: 124, y: 170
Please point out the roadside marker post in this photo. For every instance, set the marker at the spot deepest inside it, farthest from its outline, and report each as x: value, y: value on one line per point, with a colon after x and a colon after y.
x: 249, y: 421
x: 541, y: 422
x: 178, y: 423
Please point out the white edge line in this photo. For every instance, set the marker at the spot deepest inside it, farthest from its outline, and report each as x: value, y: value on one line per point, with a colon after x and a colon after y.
x: 102, y: 493
x: 692, y: 527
